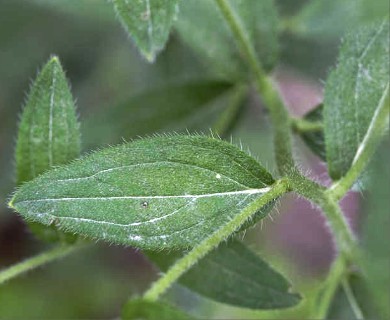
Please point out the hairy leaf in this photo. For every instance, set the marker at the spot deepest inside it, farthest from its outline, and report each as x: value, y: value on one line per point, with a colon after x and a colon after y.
x: 233, y: 274
x: 147, y: 310
x: 355, y: 90
x: 155, y: 193
x: 315, y: 139
x: 156, y: 109
x: 148, y: 22
x: 48, y: 133
x: 200, y: 23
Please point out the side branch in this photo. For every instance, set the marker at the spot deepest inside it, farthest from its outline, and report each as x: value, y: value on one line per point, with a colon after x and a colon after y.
x: 37, y: 261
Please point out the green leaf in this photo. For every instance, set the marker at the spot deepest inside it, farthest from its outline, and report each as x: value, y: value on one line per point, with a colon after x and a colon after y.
x: 163, y: 192
x: 376, y: 257
x: 139, y: 309
x: 314, y: 139
x: 200, y: 23
x: 355, y: 90
x: 48, y: 134
x: 148, y: 22
x: 156, y: 109
x: 238, y: 276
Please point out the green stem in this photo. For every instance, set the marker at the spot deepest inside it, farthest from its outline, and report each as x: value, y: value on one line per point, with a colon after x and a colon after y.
x: 301, y: 125
x: 379, y: 124
x: 279, y: 115
x: 352, y: 300
x: 330, y: 287
x: 344, y: 237
x: 198, y: 252
x: 37, y: 261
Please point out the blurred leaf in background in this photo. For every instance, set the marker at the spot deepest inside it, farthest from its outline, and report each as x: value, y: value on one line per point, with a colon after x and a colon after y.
x: 376, y: 237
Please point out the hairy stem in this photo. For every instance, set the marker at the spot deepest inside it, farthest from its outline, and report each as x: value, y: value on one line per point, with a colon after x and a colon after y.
x: 344, y: 237
x: 37, y: 261
x: 198, y: 252
x: 378, y: 125
x: 279, y: 115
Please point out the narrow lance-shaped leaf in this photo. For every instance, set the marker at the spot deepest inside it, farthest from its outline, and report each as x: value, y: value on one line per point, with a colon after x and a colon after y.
x: 200, y: 22
x: 48, y: 133
x: 137, y: 309
x: 355, y: 93
x: 148, y: 22
x: 155, y: 193
x: 235, y: 275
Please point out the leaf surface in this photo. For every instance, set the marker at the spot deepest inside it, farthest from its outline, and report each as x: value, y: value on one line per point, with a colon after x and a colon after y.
x: 355, y: 90
x: 155, y: 193
x: 148, y: 22
x: 200, y: 23
x: 235, y: 275
x: 147, y: 310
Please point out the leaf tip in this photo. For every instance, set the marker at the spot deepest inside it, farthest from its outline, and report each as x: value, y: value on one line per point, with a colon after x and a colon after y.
x: 150, y: 56
x: 10, y: 203
x: 54, y: 61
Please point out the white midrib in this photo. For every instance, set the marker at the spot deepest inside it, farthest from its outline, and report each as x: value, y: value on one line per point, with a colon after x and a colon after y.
x: 51, y: 119
x: 371, y: 127
x: 150, y: 25
x: 185, y: 196
x: 367, y: 137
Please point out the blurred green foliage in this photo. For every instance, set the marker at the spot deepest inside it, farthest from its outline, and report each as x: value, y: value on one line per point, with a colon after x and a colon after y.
x: 105, y: 71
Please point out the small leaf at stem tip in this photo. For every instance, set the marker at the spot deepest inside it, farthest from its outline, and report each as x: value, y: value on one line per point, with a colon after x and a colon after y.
x: 137, y: 309
x: 163, y: 192
x: 239, y: 277
x: 355, y: 90
x: 48, y: 134
x: 48, y: 131
x: 148, y: 22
